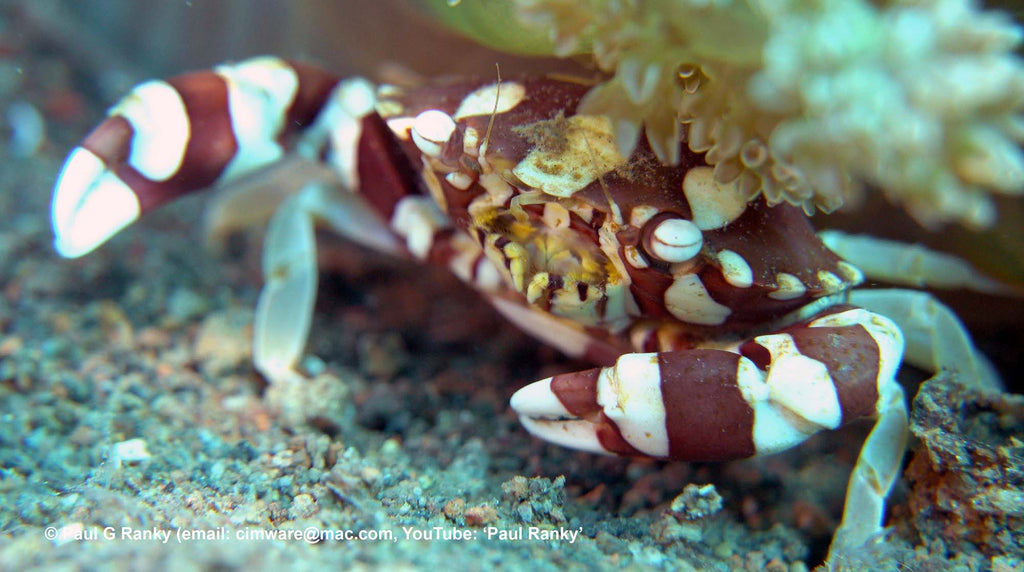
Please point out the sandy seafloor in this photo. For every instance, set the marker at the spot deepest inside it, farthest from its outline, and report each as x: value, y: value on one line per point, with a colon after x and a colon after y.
x: 405, y: 427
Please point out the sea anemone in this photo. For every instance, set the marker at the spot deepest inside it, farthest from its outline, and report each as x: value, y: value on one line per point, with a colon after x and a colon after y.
x: 809, y: 101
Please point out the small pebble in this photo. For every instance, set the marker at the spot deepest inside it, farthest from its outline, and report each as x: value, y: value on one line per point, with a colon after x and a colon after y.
x: 303, y: 506
x: 697, y: 501
x: 131, y: 451
x: 480, y: 515
x: 454, y: 509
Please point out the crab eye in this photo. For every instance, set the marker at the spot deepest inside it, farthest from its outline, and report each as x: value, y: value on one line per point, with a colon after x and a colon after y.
x: 431, y: 130
x: 672, y: 239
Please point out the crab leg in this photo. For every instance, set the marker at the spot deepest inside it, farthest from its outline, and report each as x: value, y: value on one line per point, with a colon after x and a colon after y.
x: 285, y: 307
x: 768, y: 394
x: 935, y: 338
x: 908, y: 264
x: 876, y: 471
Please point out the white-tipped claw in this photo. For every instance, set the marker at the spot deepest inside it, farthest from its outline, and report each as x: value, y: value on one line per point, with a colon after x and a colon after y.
x: 544, y: 416
x: 538, y: 401
x: 90, y: 204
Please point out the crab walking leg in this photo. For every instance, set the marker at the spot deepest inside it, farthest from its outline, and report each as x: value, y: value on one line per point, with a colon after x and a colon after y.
x: 285, y: 307
x: 171, y: 137
x: 908, y: 264
x: 936, y: 339
x: 768, y: 395
x: 874, y: 475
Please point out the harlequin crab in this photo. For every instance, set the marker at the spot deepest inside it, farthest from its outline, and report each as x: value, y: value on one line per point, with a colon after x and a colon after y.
x: 723, y: 328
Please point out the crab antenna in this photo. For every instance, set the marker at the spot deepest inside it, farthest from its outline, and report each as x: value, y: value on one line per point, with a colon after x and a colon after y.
x: 494, y: 111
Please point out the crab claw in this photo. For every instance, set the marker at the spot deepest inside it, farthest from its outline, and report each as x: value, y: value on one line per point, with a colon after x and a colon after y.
x: 171, y: 137
x: 142, y: 156
x: 628, y: 409
x: 90, y: 204
x: 563, y: 410
x: 766, y: 395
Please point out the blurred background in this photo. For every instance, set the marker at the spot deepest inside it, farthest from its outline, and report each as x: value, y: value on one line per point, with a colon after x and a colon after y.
x: 368, y: 37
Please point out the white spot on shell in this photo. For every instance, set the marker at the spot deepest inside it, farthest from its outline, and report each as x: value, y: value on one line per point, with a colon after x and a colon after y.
x: 851, y: 273
x: 830, y: 282
x: 790, y: 287
x: 482, y: 101
x: 735, y: 269
x: 774, y: 429
x: 641, y: 214
x: 688, y: 300
x: 713, y: 204
x: 750, y: 381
